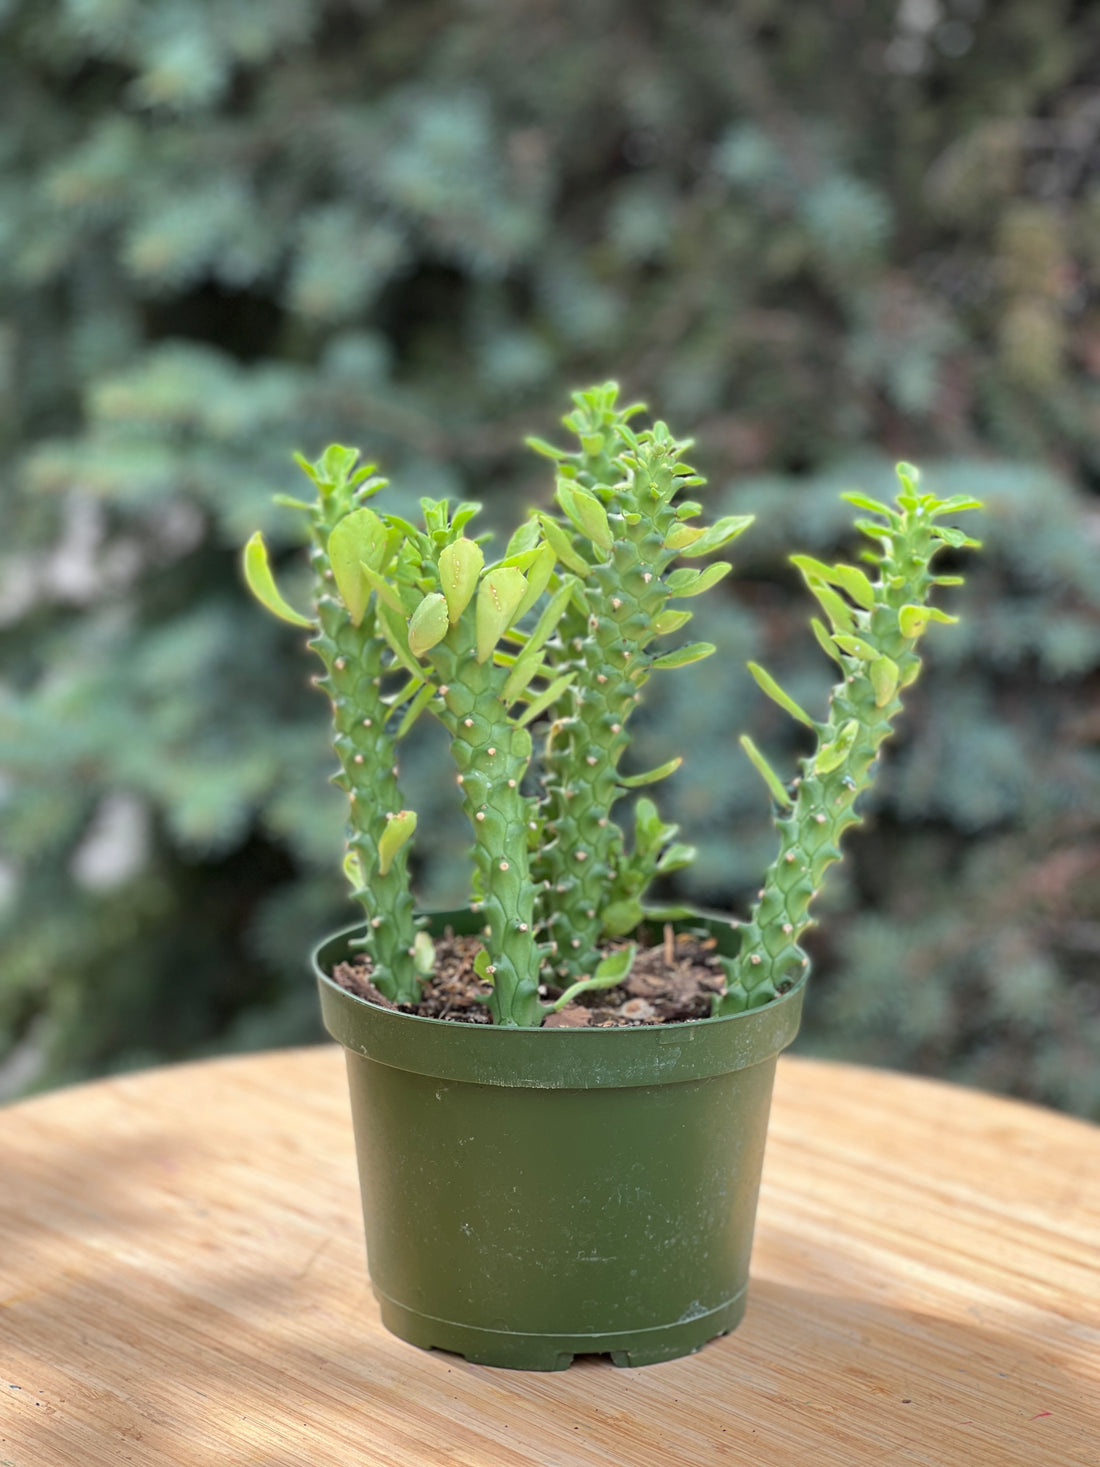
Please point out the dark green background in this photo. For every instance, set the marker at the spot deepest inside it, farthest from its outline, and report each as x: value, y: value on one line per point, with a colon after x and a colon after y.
x: 817, y: 236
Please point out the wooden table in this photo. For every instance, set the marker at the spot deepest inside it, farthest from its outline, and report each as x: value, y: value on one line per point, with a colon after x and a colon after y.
x: 182, y: 1281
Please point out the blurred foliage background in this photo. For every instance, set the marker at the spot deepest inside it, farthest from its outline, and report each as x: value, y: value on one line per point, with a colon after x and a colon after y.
x: 817, y: 236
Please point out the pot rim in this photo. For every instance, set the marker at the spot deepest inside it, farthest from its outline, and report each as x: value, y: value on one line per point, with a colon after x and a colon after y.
x: 688, y: 1049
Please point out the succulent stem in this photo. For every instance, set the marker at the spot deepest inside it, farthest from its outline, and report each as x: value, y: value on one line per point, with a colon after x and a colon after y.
x: 874, y: 639
x: 627, y: 531
x: 357, y: 663
x: 492, y: 755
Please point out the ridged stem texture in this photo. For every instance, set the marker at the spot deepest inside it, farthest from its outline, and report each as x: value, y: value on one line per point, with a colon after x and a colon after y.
x: 874, y: 639
x: 356, y: 660
x: 605, y: 640
x: 492, y: 755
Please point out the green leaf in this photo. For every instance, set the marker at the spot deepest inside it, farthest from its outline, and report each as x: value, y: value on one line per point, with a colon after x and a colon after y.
x: 563, y: 547
x: 359, y: 539
x: 650, y: 831
x: 826, y: 642
x: 521, y: 559
x: 547, y: 450
x: 832, y: 755
x: 715, y: 537
x: 851, y: 579
x: 621, y: 917
x: 769, y: 685
x: 459, y: 567
x: 394, y: 629
x: 353, y: 870
x: 956, y: 505
x: 428, y: 624
x: 538, y: 578
x: 545, y: 699
x: 847, y: 577
x: 908, y: 477
x: 676, y: 858
x: 338, y: 463
x: 423, y: 955
x: 498, y: 596
x: 651, y: 776
x: 482, y: 965
x: 882, y: 533
x: 685, y: 656
x: 525, y: 669
x: 312, y: 471
x: 463, y: 514
x: 526, y: 537
x: 957, y: 539
x: 862, y: 501
x: 552, y: 613
x: 614, y: 968
x: 398, y: 830
x: 609, y: 973
x: 386, y: 593
x: 856, y: 647
x: 766, y: 772
x: 688, y: 582
x: 415, y: 709
x: 346, y: 562
x: 884, y: 676
x: 670, y: 621
x: 405, y: 692
x: 681, y: 536
x: 586, y: 512
x: 834, y: 606
x: 913, y: 620
x: 257, y: 573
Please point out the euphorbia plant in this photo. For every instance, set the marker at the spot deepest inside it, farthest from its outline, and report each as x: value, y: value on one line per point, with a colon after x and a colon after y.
x: 560, y: 635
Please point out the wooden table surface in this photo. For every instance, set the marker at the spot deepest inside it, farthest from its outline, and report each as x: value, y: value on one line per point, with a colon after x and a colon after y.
x: 182, y: 1280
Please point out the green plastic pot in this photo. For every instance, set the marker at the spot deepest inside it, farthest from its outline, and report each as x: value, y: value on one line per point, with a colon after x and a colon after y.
x: 534, y: 1194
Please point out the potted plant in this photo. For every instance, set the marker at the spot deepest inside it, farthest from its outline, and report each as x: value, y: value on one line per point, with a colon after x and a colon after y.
x: 574, y: 1167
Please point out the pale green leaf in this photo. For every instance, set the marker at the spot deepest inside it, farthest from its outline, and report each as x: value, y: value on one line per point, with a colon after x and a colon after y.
x: 257, y: 573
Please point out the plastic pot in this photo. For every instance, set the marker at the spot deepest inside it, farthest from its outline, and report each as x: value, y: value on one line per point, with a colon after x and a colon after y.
x: 531, y: 1195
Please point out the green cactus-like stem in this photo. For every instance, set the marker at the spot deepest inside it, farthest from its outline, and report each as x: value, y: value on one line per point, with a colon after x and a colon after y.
x: 863, y: 707
x: 605, y: 643
x: 354, y: 659
x: 492, y: 755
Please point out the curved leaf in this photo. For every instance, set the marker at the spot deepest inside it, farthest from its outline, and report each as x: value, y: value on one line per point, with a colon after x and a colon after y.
x: 498, y: 597
x: 459, y: 567
x: 766, y: 772
x: 685, y: 656
x: 687, y: 582
x: 257, y: 573
x: 428, y: 624
x: 714, y: 537
x: 359, y: 539
x: 651, y: 776
x: 398, y: 831
x: 769, y: 685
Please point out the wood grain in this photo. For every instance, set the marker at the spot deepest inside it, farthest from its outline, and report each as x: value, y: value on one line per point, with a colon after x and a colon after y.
x: 182, y: 1282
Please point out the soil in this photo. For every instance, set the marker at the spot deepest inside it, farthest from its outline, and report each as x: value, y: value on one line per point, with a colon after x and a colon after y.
x: 670, y: 982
